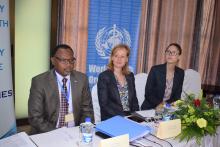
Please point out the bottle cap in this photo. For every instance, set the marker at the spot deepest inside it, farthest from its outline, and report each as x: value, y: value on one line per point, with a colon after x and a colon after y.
x: 87, y: 119
x: 168, y: 105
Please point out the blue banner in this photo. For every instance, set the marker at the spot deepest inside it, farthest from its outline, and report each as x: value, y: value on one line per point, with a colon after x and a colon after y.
x: 111, y: 22
x: 7, y: 113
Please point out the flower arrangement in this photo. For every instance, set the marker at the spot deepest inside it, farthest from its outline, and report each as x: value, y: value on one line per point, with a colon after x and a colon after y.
x: 198, y: 118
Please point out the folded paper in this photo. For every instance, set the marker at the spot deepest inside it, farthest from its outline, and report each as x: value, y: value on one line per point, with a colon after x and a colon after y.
x: 168, y: 129
x: 119, y: 141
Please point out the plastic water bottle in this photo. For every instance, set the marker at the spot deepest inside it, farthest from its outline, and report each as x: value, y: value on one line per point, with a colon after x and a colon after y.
x: 216, y: 102
x: 86, y: 131
x: 167, y: 112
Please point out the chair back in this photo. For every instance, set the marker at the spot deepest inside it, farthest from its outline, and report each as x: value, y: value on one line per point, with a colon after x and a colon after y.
x: 95, y: 102
x: 140, y: 82
x: 191, y: 83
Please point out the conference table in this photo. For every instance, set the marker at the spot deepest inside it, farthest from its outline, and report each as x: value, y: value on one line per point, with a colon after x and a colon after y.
x: 69, y: 137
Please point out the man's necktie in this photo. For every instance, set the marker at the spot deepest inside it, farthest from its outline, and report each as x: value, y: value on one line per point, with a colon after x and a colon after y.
x: 63, y: 104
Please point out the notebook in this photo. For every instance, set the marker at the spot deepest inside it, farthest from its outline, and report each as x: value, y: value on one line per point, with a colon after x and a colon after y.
x: 119, y: 125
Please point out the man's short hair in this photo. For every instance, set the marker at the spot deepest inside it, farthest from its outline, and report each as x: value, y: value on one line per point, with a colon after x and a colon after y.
x: 61, y: 46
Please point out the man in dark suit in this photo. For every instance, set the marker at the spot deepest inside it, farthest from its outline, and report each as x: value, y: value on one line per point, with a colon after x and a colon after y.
x: 52, y: 104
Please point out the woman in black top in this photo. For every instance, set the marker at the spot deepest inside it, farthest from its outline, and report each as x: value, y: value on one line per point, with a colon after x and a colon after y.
x: 116, y: 86
x: 164, y: 82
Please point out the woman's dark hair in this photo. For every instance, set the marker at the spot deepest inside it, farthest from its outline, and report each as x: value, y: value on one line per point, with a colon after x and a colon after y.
x: 61, y: 46
x: 176, y: 45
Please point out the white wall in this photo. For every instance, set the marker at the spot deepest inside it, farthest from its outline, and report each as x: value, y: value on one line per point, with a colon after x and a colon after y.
x: 32, y: 43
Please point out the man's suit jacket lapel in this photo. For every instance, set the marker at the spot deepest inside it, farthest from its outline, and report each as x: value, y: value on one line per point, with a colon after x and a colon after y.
x: 55, y: 98
x: 75, y: 95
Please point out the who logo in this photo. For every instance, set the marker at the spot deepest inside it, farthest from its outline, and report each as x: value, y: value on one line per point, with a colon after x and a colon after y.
x: 107, y: 38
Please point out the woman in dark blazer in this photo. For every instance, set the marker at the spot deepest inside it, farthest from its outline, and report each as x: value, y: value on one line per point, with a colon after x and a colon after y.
x: 164, y: 82
x: 116, y: 87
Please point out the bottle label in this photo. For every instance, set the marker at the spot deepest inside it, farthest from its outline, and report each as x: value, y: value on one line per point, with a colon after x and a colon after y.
x: 87, y: 137
x: 86, y: 130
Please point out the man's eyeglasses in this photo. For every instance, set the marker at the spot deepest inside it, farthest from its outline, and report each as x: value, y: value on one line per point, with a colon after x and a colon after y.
x: 167, y: 52
x: 66, y: 61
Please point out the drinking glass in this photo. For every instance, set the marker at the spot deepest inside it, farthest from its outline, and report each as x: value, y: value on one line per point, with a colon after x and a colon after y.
x: 216, y: 102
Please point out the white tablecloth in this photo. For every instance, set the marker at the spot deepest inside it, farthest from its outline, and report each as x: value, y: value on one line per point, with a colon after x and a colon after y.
x: 208, y: 141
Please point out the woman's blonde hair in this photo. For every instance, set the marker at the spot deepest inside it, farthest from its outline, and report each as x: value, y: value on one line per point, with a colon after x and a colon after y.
x: 125, y: 69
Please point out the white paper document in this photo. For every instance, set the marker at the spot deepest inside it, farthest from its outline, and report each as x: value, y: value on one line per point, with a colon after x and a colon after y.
x: 62, y: 137
x: 17, y: 140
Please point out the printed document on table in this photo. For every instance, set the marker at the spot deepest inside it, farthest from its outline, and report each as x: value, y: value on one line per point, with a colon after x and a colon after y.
x: 56, y: 138
x: 17, y: 140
